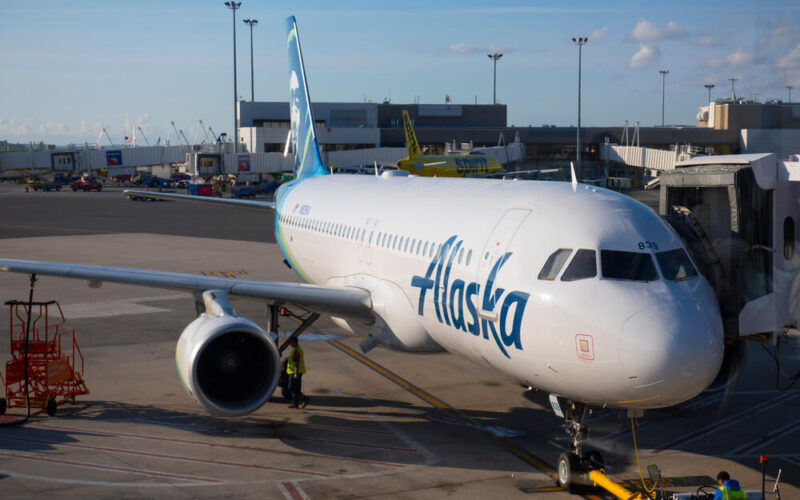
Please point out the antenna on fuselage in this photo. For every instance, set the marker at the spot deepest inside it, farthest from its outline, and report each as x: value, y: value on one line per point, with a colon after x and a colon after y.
x: 574, y: 178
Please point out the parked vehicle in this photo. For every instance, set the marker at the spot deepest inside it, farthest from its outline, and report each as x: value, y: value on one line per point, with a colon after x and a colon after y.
x: 47, y: 186
x: 86, y: 184
x: 244, y: 192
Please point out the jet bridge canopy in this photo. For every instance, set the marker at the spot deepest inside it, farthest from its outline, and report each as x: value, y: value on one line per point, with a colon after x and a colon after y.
x: 733, y: 203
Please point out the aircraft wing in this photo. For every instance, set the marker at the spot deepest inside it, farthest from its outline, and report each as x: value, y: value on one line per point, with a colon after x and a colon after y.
x: 208, y: 200
x: 338, y: 301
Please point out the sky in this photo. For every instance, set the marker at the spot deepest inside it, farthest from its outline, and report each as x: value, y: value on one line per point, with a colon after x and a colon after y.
x: 71, y: 68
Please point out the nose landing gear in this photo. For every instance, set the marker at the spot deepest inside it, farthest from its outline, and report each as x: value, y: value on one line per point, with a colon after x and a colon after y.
x: 573, y: 467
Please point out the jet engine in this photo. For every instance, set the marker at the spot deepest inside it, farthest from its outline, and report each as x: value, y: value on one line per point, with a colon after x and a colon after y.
x: 733, y: 360
x: 227, y: 363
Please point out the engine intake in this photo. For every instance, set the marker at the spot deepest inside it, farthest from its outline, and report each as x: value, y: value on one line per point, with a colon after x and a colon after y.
x: 227, y: 363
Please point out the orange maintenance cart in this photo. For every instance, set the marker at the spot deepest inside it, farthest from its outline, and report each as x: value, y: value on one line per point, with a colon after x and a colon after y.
x: 53, y: 358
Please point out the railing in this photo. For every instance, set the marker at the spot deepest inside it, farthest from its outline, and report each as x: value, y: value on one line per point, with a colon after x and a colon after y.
x: 655, y: 159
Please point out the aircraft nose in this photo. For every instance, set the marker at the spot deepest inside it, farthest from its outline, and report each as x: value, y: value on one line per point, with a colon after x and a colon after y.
x: 670, y: 354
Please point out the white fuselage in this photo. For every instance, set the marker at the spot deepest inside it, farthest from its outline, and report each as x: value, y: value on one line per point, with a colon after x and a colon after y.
x: 455, y: 264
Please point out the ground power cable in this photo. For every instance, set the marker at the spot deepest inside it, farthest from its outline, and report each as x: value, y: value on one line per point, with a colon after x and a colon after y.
x: 779, y: 370
x: 638, y: 465
x: 27, y: 417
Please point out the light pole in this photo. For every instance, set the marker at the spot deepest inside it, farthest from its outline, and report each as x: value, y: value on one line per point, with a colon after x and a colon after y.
x: 709, y: 86
x: 251, y: 23
x: 733, y: 92
x: 494, y: 57
x: 580, y: 42
x: 233, y: 6
x: 790, y: 92
x: 664, y: 73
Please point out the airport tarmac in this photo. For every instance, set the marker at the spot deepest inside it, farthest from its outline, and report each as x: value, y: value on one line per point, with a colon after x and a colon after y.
x: 381, y: 425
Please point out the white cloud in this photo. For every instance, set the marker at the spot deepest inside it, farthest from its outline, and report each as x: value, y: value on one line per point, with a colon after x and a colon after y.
x: 467, y: 49
x: 737, y: 59
x: 645, y: 31
x: 462, y: 48
x: 497, y: 48
x: 791, y: 61
x: 647, y: 56
x: 598, y: 34
x: 16, y: 129
x: 784, y: 35
x: 708, y: 41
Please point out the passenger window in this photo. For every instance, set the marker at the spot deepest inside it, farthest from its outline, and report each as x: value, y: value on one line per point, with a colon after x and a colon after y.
x: 425, y: 249
x: 676, y: 265
x: 469, y: 257
x: 460, y: 255
x: 394, y: 242
x: 632, y: 266
x: 370, y: 237
x: 554, y: 264
x: 419, y: 244
x: 583, y: 266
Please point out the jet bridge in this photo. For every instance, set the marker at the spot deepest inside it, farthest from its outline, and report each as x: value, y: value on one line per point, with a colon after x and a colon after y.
x: 738, y: 216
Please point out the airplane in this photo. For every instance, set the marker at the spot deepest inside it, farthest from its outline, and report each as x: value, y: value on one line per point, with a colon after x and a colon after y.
x: 443, y: 165
x: 580, y: 292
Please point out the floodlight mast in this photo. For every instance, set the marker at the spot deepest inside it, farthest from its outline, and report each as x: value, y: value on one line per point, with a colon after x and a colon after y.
x: 580, y: 42
x: 234, y: 6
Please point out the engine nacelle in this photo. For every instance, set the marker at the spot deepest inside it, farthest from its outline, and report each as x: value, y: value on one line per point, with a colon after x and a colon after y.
x: 733, y: 360
x: 227, y: 363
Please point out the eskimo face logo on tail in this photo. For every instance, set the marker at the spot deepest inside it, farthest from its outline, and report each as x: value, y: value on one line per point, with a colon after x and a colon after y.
x: 294, y: 108
x: 450, y: 300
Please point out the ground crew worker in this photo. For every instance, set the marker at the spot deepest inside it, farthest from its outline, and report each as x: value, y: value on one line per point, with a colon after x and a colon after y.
x: 729, y: 489
x: 295, y: 368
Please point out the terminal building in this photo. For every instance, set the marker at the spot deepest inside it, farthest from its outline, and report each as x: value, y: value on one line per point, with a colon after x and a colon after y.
x: 342, y: 126
x: 360, y: 133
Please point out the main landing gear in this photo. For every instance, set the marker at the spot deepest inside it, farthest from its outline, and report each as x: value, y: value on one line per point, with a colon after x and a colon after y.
x: 573, y: 467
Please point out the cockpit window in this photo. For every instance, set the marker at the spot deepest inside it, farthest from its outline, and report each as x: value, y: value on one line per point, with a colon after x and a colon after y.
x: 554, y: 264
x: 583, y: 266
x: 675, y: 265
x: 631, y: 266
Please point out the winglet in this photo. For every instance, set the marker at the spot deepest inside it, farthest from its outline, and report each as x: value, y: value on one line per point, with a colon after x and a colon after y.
x: 307, y: 159
x: 411, y: 137
x: 574, y: 178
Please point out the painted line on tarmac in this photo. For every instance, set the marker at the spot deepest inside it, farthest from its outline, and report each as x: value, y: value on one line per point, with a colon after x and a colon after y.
x: 61, y: 229
x: 768, y: 438
x: 725, y: 422
x: 125, y: 470
x: 205, y: 444
x: 123, y: 451
x: 348, y: 429
x: 292, y: 491
x: 352, y: 443
x: 438, y: 403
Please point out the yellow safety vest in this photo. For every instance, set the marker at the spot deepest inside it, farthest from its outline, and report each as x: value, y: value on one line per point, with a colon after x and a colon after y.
x: 729, y: 494
x: 300, y: 366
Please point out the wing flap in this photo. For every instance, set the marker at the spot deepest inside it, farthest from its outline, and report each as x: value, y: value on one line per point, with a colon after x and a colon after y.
x: 339, y: 301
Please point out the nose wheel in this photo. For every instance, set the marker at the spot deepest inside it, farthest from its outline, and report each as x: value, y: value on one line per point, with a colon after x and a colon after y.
x: 573, y: 467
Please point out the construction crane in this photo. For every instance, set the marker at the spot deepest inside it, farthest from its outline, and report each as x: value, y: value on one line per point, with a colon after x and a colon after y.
x: 100, y: 137
x: 142, y: 133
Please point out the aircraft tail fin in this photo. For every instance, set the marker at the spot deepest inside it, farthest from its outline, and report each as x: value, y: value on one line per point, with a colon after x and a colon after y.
x: 411, y: 137
x: 307, y: 158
